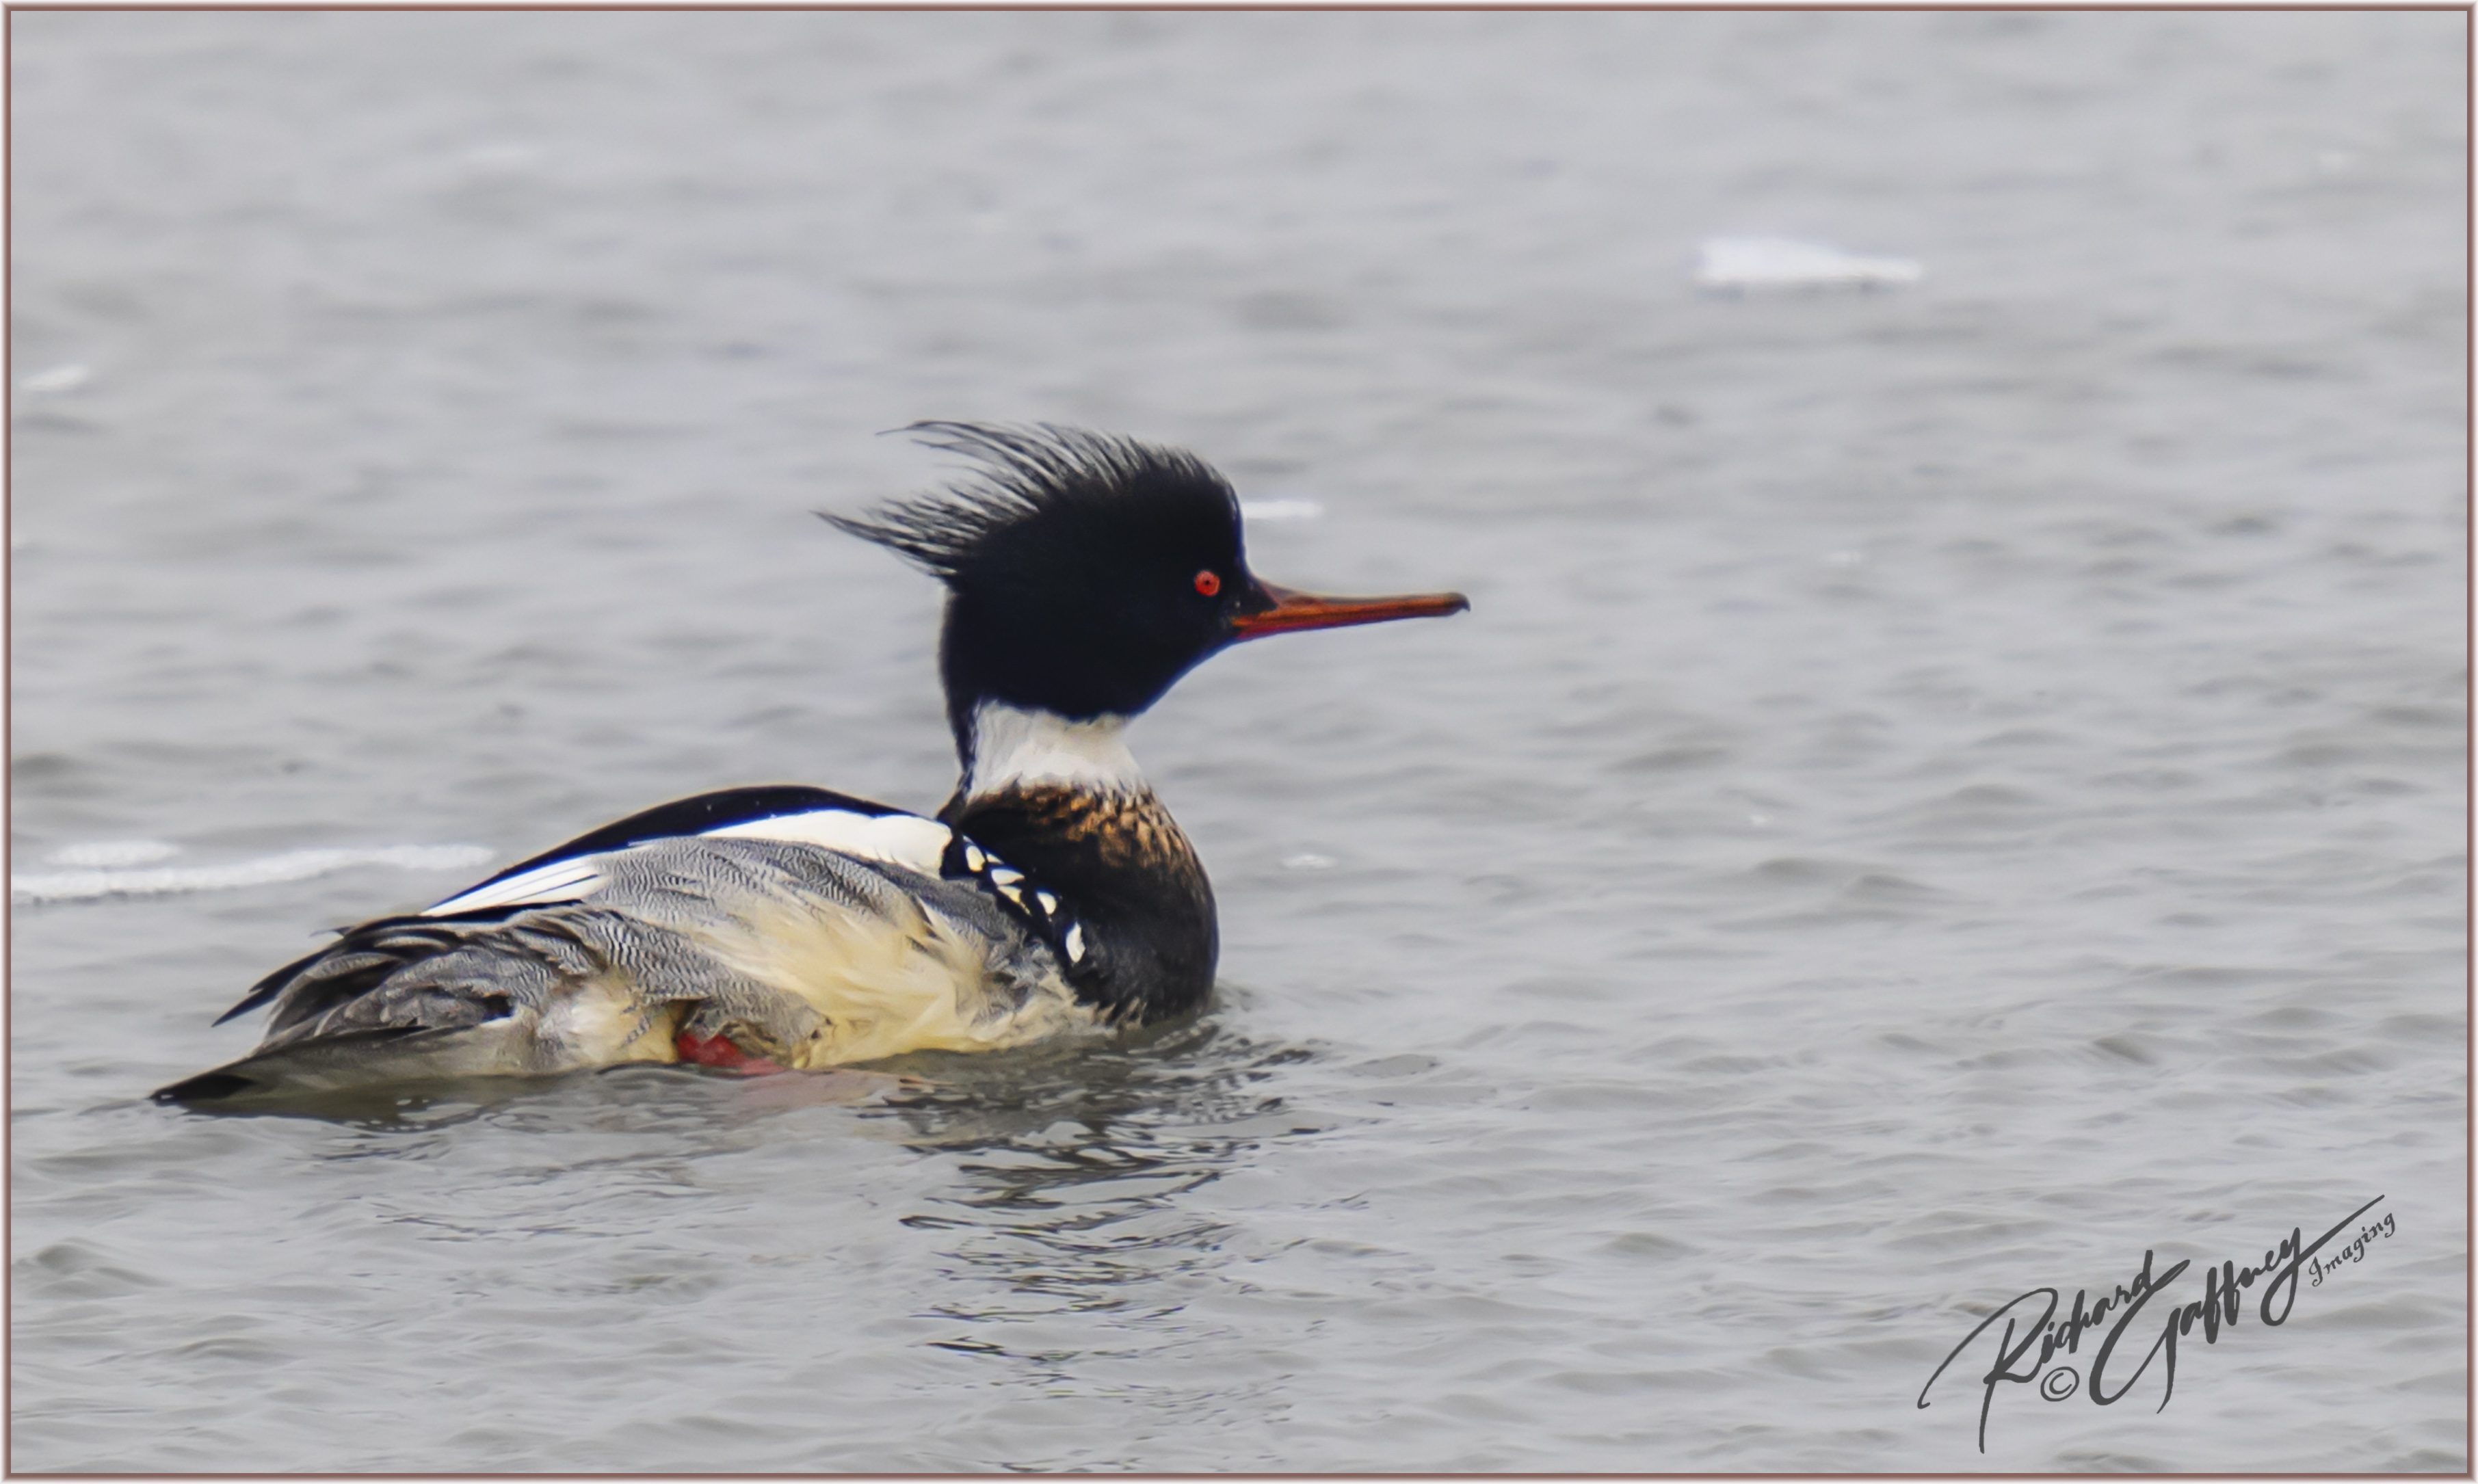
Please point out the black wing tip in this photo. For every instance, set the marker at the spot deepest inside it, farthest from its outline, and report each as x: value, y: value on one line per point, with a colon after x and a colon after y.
x: 207, y: 1087
x: 266, y: 988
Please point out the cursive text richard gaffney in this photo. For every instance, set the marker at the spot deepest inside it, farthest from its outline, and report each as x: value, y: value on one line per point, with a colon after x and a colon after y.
x: 2031, y: 1358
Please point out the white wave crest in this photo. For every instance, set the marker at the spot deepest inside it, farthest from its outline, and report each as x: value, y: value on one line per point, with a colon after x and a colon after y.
x: 73, y: 886
x: 115, y: 852
x: 1744, y: 263
x: 1280, y: 509
x: 59, y: 378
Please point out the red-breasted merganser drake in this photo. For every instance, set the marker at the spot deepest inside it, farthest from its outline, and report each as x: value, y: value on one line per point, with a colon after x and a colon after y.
x: 792, y: 927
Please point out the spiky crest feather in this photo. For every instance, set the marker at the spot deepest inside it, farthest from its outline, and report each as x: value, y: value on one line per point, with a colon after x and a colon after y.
x: 1026, y: 471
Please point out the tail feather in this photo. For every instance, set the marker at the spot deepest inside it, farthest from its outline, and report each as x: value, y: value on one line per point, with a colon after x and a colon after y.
x: 386, y: 937
x: 553, y: 990
x: 342, y: 1059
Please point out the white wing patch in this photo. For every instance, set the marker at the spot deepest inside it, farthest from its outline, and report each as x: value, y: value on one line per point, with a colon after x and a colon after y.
x: 897, y: 839
x: 560, y: 881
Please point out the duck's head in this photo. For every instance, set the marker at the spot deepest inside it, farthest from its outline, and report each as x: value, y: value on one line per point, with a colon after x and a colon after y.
x: 1085, y: 573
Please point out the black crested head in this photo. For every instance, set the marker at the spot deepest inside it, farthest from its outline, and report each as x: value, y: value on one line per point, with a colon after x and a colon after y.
x: 1085, y: 572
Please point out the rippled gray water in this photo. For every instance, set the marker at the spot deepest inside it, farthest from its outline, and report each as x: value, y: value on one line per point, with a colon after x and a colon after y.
x: 1941, y: 790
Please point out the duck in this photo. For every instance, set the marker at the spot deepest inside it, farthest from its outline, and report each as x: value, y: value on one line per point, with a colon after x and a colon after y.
x: 787, y: 927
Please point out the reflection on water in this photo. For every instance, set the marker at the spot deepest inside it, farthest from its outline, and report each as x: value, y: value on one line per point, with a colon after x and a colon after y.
x: 1070, y: 1169
x: 1115, y: 1090
x: 1072, y: 1249
x: 1191, y: 1074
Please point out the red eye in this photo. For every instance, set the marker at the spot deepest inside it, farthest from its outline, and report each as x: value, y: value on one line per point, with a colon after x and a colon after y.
x: 1208, y: 582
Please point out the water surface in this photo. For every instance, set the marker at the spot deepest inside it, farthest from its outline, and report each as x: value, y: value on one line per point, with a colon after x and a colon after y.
x: 1942, y: 789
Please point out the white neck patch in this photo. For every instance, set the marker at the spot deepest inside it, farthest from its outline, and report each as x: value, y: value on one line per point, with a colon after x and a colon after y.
x: 1012, y: 746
